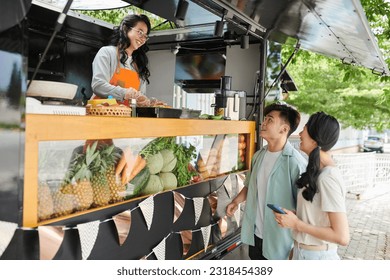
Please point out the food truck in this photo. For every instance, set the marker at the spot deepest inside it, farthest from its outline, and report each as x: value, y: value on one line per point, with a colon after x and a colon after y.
x: 93, y: 181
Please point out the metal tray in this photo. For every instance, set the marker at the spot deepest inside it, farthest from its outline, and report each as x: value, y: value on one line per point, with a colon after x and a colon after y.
x: 161, y: 112
x: 158, y: 112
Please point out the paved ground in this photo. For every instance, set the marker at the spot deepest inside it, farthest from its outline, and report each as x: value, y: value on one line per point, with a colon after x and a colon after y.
x: 369, y: 221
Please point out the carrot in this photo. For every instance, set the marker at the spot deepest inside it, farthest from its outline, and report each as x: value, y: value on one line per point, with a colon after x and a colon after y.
x: 121, y: 165
x: 139, y: 164
x: 125, y: 174
x: 127, y: 157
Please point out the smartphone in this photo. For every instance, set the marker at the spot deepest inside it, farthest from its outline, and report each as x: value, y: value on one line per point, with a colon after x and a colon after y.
x: 276, y: 208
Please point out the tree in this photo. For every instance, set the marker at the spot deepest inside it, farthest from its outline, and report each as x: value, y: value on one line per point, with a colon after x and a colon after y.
x: 353, y: 95
x: 115, y: 16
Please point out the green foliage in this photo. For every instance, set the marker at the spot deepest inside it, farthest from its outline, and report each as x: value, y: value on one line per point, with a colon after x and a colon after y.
x: 115, y: 16
x: 352, y: 94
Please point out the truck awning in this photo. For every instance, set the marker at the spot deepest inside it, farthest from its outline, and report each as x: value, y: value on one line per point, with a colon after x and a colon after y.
x: 334, y: 28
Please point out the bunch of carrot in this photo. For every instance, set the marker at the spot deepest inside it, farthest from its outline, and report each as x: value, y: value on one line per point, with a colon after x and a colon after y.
x: 129, y: 166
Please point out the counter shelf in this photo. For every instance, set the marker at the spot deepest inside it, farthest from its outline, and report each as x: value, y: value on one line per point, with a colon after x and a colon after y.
x: 221, y: 147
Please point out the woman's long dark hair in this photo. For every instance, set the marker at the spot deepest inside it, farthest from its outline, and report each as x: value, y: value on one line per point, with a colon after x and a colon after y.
x: 119, y: 39
x: 325, y: 130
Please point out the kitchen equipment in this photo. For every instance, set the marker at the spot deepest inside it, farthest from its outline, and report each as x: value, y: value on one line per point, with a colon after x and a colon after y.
x: 220, y: 98
x: 34, y: 106
x: 235, y: 104
x: 39, y: 88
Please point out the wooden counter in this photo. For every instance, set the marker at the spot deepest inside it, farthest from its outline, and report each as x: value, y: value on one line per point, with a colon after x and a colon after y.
x: 57, y: 128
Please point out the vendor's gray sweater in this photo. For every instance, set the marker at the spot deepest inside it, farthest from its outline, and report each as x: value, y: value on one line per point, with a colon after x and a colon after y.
x: 103, y: 68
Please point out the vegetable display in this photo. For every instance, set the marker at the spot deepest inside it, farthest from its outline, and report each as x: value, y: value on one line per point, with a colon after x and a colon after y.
x: 136, y: 186
x: 175, y: 158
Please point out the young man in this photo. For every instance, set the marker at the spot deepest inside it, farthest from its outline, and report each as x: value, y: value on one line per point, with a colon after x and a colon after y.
x: 274, y: 170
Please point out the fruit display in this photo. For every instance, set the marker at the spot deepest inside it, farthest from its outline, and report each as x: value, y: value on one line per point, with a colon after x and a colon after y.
x: 107, y: 107
x: 90, y: 181
x: 100, y: 173
x: 105, y: 184
x: 241, y: 152
x: 45, y: 202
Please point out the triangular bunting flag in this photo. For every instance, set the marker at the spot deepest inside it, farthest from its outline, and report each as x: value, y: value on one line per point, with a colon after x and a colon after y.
x: 213, y: 201
x: 240, y: 181
x: 7, y: 231
x: 159, y: 250
x: 206, y: 235
x: 222, y: 224
x: 228, y: 186
x: 237, y: 215
x: 50, y: 240
x: 147, y: 208
x: 186, y: 239
x: 88, y: 233
x: 179, y: 201
x: 198, y: 206
x: 123, y: 223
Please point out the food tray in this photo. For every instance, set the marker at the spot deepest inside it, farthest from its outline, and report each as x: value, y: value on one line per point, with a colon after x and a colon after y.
x: 162, y: 112
x: 111, y: 111
x: 158, y: 112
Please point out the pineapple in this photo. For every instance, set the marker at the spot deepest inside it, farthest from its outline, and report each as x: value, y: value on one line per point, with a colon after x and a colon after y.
x: 63, y: 203
x: 77, y: 180
x: 117, y: 189
x: 101, y: 190
x: 45, y: 202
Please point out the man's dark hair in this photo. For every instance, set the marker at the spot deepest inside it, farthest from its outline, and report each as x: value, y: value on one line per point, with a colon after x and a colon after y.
x: 288, y: 113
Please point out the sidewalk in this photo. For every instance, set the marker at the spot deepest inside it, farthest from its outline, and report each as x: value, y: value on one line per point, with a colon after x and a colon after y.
x: 369, y: 223
x: 369, y: 226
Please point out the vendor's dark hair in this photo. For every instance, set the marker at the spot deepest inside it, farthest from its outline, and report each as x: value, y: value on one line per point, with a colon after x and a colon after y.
x: 325, y: 130
x: 287, y: 112
x: 119, y: 39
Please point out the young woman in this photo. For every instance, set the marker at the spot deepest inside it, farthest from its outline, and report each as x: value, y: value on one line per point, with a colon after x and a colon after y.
x: 320, y: 222
x: 121, y: 69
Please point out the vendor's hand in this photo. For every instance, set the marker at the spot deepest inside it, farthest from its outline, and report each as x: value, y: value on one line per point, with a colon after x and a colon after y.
x: 125, y: 165
x: 231, y: 208
x: 132, y: 93
x: 143, y: 101
x: 288, y: 220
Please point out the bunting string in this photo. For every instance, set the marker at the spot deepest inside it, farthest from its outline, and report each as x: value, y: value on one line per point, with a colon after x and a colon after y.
x: 178, y: 232
x: 88, y: 231
x: 108, y: 219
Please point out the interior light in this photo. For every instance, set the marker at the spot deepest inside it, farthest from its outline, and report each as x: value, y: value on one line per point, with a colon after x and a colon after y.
x: 181, y: 10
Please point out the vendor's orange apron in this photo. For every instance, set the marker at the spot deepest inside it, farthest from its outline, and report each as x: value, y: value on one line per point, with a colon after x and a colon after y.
x: 125, y: 78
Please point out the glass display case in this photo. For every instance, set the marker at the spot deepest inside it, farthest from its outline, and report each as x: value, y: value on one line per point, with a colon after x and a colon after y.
x: 78, y: 175
x: 76, y: 165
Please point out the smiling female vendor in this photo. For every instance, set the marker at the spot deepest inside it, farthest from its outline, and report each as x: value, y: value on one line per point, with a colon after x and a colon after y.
x: 121, y: 68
